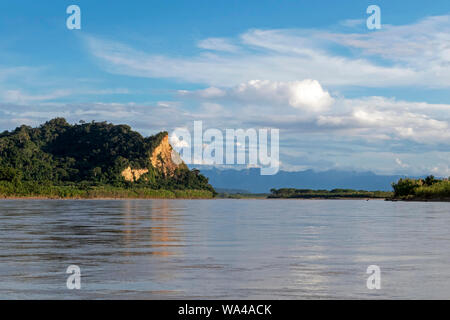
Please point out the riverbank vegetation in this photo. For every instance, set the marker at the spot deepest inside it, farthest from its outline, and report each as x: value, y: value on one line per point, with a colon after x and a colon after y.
x: 429, y: 188
x: 244, y: 195
x: 86, y: 191
x: 292, y: 193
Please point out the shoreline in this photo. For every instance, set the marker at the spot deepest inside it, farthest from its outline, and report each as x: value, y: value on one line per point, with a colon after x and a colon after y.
x: 108, y: 194
x: 2, y: 197
x: 179, y: 198
x: 97, y: 198
x: 419, y: 200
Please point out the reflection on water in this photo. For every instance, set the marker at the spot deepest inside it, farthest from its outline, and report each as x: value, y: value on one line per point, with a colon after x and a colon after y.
x: 154, y: 227
x: 244, y: 249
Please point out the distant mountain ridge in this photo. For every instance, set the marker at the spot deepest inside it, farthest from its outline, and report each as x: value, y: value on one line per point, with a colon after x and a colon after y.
x: 251, y: 180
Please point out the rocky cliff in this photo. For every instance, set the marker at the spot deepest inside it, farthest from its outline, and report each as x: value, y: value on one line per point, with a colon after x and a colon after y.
x: 133, y: 174
x: 163, y: 158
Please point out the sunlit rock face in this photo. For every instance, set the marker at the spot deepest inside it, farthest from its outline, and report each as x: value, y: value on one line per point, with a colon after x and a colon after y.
x: 133, y: 174
x: 163, y: 158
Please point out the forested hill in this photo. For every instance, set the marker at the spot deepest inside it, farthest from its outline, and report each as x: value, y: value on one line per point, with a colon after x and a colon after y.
x: 97, y: 153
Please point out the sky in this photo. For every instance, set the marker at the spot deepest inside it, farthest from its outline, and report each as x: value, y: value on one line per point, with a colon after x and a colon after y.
x: 342, y: 96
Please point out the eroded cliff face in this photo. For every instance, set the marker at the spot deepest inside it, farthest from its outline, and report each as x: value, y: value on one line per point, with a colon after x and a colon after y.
x: 162, y: 158
x: 133, y: 174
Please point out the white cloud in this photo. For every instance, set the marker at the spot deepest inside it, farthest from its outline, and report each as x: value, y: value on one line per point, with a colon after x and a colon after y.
x: 400, y: 163
x: 168, y: 104
x: 276, y: 55
x: 307, y: 95
x: 19, y: 97
x: 212, y: 108
x: 285, y: 104
x: 29, y: 85
x: 414, y: 54
x: 208, y: 93
x: 217, y: 44
x: 441, y: 170
x: 426, y: 40
x: 381, y: 117
x: 423, y: 47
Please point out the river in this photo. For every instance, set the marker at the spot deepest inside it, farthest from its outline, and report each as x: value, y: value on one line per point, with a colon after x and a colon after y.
x: 224, y: 249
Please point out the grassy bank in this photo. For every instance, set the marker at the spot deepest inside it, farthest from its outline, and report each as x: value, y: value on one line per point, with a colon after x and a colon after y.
x: 33, y: 190
x: 291, y: 193
x: 225, y: 195
x: 428, y: 189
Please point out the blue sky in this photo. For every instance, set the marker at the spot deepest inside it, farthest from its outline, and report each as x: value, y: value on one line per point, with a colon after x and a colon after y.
x: 342, y: 96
